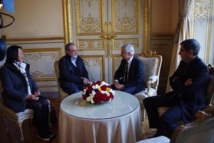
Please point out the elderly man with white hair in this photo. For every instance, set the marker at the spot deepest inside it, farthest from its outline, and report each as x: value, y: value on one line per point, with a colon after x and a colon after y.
x: 129, y: 77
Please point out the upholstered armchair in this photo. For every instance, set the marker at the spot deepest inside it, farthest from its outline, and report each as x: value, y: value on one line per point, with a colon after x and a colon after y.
x: 199, y: 131
x: 202, y: 129
x: 62, y: 94
x: 18, y: 118
x: 152, y: 66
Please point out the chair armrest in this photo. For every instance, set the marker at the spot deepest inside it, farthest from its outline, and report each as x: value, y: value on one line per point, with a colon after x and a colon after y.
x: 199, y: 130
x: 7, y: 112
x: 151, y: 80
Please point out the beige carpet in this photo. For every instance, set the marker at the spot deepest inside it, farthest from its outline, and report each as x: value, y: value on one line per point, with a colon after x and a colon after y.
x: 147, y: 132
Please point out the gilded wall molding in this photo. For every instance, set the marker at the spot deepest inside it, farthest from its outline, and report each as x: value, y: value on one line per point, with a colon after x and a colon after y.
x: 90, y: 44
x: 128, y: 20
x: 162, y: 49
x: 66, y: 6
x: 95, y: 66
x: 119, y: 42
x: 34, y: 39
x: 147, y: 24
x: 42, y: 62
x: 116, y: 60
x: 89, y: 20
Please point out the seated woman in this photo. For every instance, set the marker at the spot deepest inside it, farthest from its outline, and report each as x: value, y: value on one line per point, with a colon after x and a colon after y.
x: 21, y: 92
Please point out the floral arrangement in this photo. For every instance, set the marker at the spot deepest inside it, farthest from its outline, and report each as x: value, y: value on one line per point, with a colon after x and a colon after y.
x: 98, y: 92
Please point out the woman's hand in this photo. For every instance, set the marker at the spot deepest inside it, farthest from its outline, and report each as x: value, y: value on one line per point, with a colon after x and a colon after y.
x: 32, y: 97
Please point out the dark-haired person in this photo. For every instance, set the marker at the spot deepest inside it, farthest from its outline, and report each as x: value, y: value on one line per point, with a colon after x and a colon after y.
x: 73, y: 75
x: 129, y: 77
x: 189, y: 84
x: 21, y: 92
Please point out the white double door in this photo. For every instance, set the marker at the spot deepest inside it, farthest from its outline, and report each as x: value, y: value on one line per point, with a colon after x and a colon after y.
x: 100, y: 28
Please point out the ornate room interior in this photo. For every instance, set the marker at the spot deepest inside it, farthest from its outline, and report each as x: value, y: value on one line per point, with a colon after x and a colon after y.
x: 100, y: 28
x: 47, y: 26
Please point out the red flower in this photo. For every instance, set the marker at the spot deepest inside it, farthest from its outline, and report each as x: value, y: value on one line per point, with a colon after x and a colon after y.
x: 98, y: 97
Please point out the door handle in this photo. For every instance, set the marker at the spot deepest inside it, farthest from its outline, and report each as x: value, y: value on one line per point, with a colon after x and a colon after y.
x: 108, y: 36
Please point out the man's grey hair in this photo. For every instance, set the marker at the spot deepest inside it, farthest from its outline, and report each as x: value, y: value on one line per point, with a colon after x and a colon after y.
x: 129, y: 48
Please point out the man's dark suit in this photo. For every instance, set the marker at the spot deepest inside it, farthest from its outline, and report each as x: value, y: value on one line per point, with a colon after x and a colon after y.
x: 184, y: 101
x: 135, y: 81
x: 70, y: 76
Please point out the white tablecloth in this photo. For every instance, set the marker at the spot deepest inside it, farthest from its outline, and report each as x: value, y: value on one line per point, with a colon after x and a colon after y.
x: 117, y: 121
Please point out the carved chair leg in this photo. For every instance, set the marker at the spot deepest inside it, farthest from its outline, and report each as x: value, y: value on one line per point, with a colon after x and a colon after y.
x: 21, y: 132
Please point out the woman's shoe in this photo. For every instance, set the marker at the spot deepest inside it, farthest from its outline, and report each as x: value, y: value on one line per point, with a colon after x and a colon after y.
x: 43, y: 137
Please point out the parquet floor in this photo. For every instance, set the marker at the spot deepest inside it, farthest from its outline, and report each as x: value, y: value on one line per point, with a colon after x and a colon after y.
x: 10, y: 134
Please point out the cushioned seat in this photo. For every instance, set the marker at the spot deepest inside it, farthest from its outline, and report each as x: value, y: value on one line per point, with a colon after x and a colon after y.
x: 18, y: 118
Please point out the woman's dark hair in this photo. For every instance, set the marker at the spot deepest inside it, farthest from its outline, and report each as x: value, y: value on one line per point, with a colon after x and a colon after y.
x: 191, y: 44
x: 12, y: 54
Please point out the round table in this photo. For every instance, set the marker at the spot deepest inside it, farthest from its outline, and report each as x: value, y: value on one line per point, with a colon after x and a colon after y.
x: 117, y: 121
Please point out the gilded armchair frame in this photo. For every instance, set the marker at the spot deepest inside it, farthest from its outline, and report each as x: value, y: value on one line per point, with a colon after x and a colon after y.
x: 61, y: 93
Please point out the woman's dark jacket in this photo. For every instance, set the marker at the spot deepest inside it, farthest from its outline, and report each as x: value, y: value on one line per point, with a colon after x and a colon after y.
x: 15, y: 87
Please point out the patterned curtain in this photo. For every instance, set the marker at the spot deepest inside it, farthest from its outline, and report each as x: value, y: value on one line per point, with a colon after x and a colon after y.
x: 183, y: 32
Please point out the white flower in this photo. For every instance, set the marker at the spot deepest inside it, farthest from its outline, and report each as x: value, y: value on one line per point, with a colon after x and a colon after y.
x: 94, y: 88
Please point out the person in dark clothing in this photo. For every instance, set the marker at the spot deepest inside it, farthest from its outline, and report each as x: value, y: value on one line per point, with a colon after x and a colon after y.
x: 21, y: 92
x: 188, y: 95
x: 129, y: 77
x: 73, y: 75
